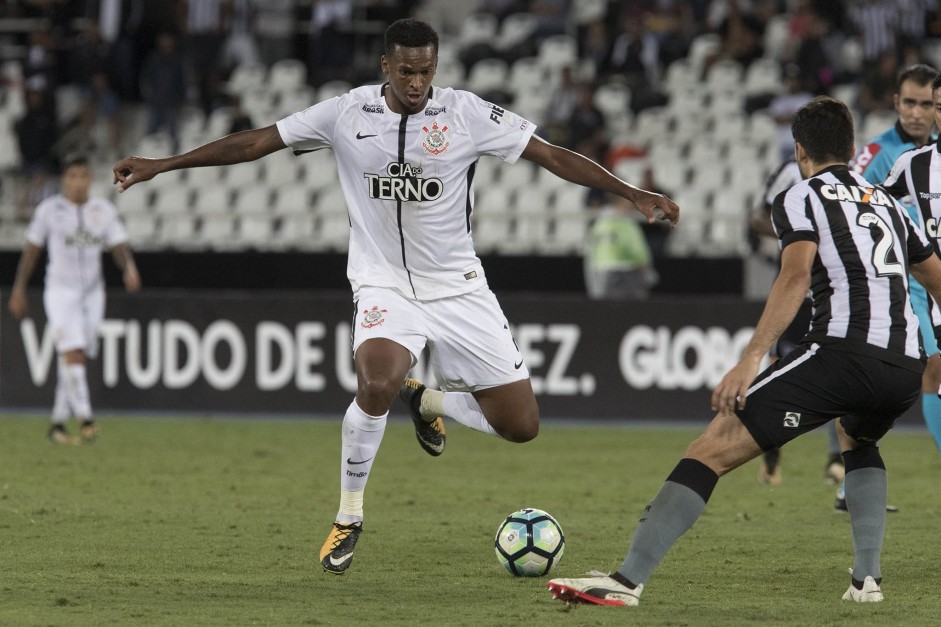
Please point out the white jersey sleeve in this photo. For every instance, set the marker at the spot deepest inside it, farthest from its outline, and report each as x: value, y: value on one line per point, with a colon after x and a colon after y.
x: 496, y: 131
x: 38, y: 230
x: 312, y: 128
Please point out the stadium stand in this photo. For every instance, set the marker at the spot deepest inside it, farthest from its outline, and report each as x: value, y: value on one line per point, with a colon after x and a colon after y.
x: 710, y: 140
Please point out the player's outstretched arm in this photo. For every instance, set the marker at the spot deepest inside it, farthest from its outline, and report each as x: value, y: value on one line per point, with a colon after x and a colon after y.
x: 579, y: 169
x: 785, y: 299
x: 234, y: 148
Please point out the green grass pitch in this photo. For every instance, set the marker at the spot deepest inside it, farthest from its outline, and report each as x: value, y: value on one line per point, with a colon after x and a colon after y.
x: 200, y: 521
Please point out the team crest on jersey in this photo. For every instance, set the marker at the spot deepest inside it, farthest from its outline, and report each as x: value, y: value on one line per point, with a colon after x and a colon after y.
x: 373, y: 317
x: 436, y: 139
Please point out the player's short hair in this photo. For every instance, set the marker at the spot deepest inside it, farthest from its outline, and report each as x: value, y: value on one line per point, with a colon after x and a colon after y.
x: 410, y: 33
x: 920, y: 74
x: 824, y: 127
x: 75, y: 159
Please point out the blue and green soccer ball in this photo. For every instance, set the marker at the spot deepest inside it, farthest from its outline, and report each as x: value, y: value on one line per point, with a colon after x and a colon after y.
x: 529, y: 543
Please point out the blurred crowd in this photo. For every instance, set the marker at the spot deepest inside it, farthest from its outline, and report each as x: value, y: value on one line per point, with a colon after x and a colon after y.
x: 165, y: 55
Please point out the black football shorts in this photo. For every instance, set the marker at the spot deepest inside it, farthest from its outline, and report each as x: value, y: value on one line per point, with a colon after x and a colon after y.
x: 814, y: 384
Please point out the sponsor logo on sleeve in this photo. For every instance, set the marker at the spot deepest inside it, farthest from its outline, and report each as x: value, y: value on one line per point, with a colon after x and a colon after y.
x: 496, y: 114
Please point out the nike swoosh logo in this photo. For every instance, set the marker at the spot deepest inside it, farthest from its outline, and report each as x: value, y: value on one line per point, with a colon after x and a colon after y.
x: 350, y: 461
x: 519, y: 365
x: 345, y: 558
x: 361, y: 136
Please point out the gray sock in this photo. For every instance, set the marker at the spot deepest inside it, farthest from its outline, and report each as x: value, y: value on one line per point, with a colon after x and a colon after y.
x: 866, y: 490
x: 671, y: 513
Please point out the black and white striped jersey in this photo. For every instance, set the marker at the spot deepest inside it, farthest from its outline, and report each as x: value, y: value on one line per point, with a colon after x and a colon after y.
x: 781, y: 180
x: 859, y: 284
x: 917, y: 173
x: 408, y: 182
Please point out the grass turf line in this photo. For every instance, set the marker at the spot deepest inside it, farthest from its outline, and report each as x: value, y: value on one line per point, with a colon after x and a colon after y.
x: 219, y: 522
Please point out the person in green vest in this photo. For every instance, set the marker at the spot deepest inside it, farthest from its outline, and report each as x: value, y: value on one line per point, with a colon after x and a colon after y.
x: 618, y: 262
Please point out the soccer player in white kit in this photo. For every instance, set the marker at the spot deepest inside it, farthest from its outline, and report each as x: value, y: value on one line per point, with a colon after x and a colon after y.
x: 74, y: 228
x: 406, y: 155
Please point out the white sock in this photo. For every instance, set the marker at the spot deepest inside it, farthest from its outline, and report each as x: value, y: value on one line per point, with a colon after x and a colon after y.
x: 462, y: 407
x: 60, y: 406
x: 76, y: 389
x: 362, y: 435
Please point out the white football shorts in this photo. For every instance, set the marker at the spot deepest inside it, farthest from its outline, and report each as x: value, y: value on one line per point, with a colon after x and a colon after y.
x: 74, y: 317
x: 468, y: 337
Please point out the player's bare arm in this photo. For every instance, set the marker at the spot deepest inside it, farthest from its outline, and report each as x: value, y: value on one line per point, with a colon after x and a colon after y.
x: 928, y: 273
x: 124, y: 259
x: 785, y: 299
x: 234, y: 148
x: 18, y: 306
x: 579, y: 169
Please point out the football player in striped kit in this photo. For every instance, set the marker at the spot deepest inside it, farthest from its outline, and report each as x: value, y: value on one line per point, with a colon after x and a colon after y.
x: 916, y: 177
x: 913, y: 129
x: 406, y: 155
x: 74, y: 228
x: 860, y: 362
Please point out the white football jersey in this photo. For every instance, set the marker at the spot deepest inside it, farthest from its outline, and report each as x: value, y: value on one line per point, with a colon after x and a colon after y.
x: 75, y: 236
x: 408, y: 182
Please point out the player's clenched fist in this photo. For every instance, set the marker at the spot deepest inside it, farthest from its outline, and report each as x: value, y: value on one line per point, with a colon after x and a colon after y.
x: 656, y: 206
x: 133, y: 170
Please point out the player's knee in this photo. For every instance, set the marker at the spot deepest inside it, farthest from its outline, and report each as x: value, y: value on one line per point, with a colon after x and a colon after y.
x: 520, y: 435
x: 378, y: 388
x: 522, y: 428
x: 524, y: 433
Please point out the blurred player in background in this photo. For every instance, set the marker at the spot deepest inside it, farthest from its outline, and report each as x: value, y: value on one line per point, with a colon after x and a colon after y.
x: 769, y: 472
x: 913, y: 129
x: 74, y: 228
x: 860, y: 362
x: 916, y: 177
x: 406, y: 155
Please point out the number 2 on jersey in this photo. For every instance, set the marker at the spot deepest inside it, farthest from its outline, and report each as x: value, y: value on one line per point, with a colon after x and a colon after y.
x: 884, y: 245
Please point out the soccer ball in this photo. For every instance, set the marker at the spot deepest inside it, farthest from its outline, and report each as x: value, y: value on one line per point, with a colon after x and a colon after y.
x: 529, y: 543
